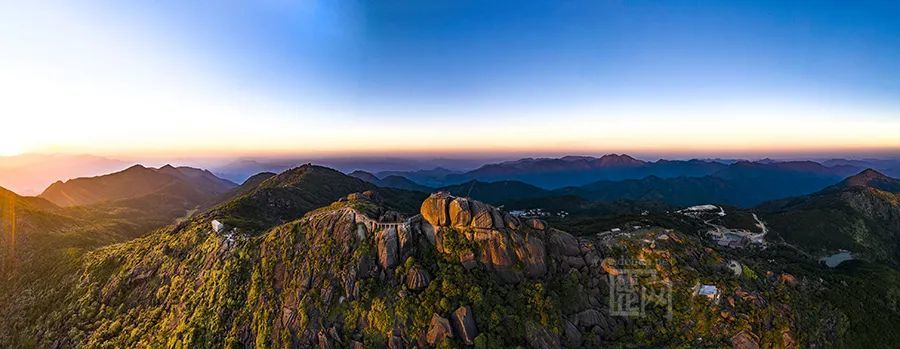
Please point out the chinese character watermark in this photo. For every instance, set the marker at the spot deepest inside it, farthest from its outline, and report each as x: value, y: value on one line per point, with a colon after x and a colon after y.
x: 631, y: 290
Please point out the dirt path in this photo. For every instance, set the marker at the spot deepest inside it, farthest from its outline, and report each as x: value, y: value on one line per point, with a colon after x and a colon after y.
x: 761, y: 237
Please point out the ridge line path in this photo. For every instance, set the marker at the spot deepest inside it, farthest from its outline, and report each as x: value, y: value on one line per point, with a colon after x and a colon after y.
x: 360, y: 218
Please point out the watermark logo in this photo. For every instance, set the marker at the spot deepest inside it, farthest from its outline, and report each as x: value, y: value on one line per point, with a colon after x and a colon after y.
x: 636, y: 286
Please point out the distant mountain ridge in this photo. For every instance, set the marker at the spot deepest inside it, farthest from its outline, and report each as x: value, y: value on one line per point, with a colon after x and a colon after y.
x: 889, y: 167
x: 417, y: 169
x: 574, y: 171
x: 435, y: 177
x: 137, y: 181
x: 390, y: 181
x: 741, y: 183
x: 545, y: 172
x: 29, y: 174
x: 496, y: 192
x: 551, y: 173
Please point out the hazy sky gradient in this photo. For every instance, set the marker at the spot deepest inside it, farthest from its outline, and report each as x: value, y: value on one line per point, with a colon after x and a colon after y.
x: 333, y: 77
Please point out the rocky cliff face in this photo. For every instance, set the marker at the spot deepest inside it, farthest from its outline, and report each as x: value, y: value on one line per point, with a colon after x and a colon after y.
x: 511, y: 248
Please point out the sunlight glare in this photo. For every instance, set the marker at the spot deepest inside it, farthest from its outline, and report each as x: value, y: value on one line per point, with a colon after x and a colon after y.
x: 9, y: 147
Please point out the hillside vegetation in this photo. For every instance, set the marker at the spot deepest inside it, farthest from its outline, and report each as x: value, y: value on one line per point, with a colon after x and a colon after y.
x: 861, y: 214
x: 306, y: 258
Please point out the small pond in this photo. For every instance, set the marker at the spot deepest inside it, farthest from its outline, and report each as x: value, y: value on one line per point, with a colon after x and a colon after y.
x: 837, y: 258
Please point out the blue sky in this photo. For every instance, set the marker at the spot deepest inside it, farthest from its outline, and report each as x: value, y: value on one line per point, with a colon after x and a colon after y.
x: 279, y: 76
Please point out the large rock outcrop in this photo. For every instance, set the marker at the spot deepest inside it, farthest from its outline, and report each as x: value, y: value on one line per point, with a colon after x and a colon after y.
x: 443, y: 210
x: 529, y: 248
x: 571, y: 334
x: 482, y: 216
x: 388, y: 248
x: 501, y: 242
x: 464, y: 323
x: 460, y: 212
x: 417, y: 278
x: 438, y: 330
x: 435, y: 209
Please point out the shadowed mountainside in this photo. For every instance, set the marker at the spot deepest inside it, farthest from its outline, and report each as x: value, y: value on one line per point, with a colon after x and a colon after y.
x: 860, y: 214
x: 29, y: 174
x: 496, y: 192
x: 138, y: 181
x: 289, y: 195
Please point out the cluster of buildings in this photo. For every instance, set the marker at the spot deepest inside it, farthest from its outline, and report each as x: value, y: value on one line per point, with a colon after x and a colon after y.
x: 702, y: 209
x: 536, y: 213
x: 730, y: 238
x: 735, y: 238
x: 710, y: 292
x: 724, y: 236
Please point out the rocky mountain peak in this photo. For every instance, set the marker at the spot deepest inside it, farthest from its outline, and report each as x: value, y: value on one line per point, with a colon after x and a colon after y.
x: 870, y: 174
x: 618, y: 160
x: 366, y: 176
x: 499, y: 241
x: 259, y: 177
x: 442, y: 209
x: 135, y: 167
x: 870, y: 178
x: 576, y: 158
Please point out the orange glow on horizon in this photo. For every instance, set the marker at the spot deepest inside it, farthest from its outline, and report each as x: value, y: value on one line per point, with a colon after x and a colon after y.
x: 590, y: 131
x: 762, y: 150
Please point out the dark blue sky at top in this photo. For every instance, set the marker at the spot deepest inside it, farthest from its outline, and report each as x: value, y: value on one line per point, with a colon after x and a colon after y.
x: 507, y: 52
x: 451, y: 77
x: 575, y: 49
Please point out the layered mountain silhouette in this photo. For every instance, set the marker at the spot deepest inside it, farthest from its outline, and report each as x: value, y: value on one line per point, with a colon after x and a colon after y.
x: 435, y: 177
x: 775, y: 178
x: 290, y: 194
x: 616, y: 177
x: 136, y: 182
x: 497, y: 192
x: 390, y: 181
x: 740, y: 183
x: 889, y: 167
x: 29, y: 174
x: 573, y: 170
